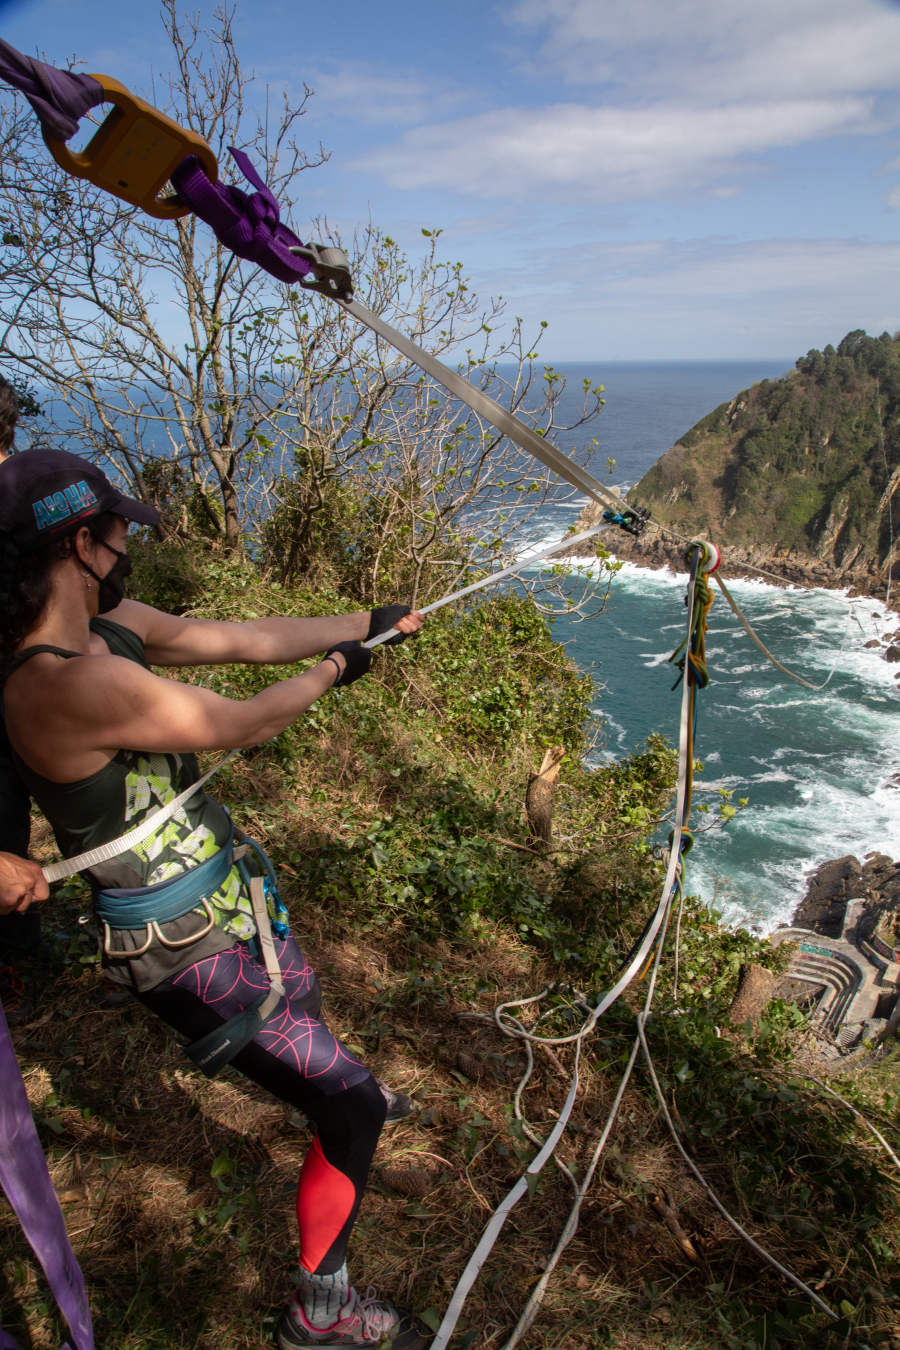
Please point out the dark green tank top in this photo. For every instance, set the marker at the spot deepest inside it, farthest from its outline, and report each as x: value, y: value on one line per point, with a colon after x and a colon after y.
x: 108, y: 803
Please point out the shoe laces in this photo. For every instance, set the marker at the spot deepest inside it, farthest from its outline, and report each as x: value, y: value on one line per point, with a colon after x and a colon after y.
x: 377, y: 1316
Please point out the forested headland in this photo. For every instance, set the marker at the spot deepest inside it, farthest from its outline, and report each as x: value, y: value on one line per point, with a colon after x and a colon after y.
x: 797, y: 475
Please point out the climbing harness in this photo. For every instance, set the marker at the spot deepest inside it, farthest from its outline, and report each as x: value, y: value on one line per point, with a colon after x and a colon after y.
x: 151, y: 906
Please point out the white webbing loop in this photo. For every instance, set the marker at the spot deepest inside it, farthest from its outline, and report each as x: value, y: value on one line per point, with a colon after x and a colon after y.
x: 762, y: 647
x: 67, y: 867
x: 267, y: 947
x: 525, y: 561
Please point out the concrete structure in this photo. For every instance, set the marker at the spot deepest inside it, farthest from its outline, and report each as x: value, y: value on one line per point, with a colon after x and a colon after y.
x: 853, y: 981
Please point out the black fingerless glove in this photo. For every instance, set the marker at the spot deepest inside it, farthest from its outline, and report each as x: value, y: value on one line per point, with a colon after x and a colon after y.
x: 358, y: 659
x: 384, y: 618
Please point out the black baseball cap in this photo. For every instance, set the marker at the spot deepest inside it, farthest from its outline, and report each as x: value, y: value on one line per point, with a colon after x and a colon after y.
x: 47, y: 494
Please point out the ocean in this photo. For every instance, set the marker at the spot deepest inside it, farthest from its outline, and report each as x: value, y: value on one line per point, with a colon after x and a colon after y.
x: 819, y: 769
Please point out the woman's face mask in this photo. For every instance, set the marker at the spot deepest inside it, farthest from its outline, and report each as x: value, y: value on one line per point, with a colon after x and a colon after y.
x: 111, y: 588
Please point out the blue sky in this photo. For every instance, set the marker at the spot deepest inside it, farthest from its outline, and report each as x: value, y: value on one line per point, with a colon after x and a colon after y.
x: 662, y: 179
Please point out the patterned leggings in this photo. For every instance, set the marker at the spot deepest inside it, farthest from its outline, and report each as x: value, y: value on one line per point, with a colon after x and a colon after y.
x: 296, y: 1058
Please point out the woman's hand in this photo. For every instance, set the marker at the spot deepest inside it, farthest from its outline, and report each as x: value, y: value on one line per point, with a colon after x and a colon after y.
x: 21, y: 883
x: 401, y: 617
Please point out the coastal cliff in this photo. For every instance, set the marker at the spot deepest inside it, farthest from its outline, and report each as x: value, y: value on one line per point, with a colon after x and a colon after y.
x: 795, y: 476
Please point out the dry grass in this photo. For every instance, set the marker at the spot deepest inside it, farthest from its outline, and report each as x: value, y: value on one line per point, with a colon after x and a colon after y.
x: 177, y: 1258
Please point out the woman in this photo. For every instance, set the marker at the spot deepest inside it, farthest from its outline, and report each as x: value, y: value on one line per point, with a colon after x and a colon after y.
x: 101, y: 743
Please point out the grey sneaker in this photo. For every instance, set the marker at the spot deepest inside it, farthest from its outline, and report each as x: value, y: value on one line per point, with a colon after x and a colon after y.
x: 399, y: 1106
x: 365, y: 1321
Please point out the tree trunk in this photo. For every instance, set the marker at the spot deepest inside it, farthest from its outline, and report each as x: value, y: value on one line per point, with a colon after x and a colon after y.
x: 756, y: 986
x: 539, y: 797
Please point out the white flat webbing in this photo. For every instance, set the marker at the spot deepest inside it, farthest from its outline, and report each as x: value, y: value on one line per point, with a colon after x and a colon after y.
x: 67, y: 867
x: 525, y: 561
x: 500, y: 1215
x: 487, y: 407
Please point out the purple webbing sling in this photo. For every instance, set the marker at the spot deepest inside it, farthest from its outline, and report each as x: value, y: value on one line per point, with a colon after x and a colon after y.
x: 26, y: 1181
x: 58, y: 97
x: 247, y: 223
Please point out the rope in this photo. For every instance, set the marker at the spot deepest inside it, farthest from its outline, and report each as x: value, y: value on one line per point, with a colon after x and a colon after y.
x: 513, y: 1028
x: 741, y: 1231
x: 859, y: 1115
x: 764, y: 649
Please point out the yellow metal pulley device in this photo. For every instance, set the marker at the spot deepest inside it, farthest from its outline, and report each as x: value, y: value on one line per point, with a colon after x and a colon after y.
x: 134, y: 153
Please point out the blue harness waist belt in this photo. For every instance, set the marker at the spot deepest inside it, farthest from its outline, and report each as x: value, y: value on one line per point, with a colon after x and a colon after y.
x: 167, y: 900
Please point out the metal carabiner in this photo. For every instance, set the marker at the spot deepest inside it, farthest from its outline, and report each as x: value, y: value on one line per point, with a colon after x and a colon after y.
x: 134, y: 153
x: 330, y: 269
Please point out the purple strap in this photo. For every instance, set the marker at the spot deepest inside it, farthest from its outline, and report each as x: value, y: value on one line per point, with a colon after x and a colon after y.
x: 59, y: 98
x: 248, y: 224
x: 26, y: 1181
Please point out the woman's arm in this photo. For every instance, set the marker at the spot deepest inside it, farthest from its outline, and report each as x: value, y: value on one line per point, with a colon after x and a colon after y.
x: 67, y: 721
x: 172, y: 641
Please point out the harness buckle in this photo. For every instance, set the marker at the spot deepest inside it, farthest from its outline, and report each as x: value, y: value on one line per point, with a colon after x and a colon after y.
x: 330, y: 268
x: 134, y: 153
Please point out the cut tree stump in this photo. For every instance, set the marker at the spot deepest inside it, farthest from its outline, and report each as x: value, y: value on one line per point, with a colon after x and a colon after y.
x: 539, y: 796
x: 756, y: 985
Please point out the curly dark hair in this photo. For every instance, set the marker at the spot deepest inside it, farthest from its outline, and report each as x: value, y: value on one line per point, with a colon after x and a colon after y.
x: 25, y: 585
x: 9, y: 414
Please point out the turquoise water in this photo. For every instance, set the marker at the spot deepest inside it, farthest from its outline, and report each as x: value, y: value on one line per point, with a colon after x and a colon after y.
x: 818, y: 767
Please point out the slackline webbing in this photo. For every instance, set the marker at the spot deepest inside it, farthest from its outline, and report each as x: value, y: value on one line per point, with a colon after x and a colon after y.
x: 525, y: 561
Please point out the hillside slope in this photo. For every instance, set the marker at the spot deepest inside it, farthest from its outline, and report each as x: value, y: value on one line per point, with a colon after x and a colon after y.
x: 796, y: 474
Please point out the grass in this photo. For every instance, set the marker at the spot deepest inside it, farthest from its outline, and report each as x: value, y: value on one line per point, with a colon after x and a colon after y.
x: 418, y: 896
x: 178, y: 1191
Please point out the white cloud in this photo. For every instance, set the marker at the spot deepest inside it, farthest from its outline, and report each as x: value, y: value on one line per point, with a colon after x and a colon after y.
x: 717, y: 47
x: 607, y: 154
x: 369, y: 95
x: 705, y: 298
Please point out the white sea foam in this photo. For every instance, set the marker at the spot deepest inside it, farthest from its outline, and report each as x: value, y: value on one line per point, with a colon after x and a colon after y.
x: 816, y: 766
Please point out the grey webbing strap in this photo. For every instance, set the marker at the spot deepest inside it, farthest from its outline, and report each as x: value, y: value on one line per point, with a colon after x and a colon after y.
x: 486, y: 407
x: 267, y: 947
x: 218, y: 1047
x: 106, y: 852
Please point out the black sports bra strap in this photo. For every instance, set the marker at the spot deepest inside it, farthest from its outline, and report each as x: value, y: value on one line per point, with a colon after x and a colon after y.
x: 21, y: 657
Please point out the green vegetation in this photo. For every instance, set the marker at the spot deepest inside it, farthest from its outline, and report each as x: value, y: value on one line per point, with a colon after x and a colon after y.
x: 310, y: 470
x: 808, y: 463
x: 394, y: 812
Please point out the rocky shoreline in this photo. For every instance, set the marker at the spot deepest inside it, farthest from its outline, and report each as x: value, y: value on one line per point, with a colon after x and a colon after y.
x: 846, y: 930
x: 655, y: 550
x: 784, y: 566
x: 831, y: 887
